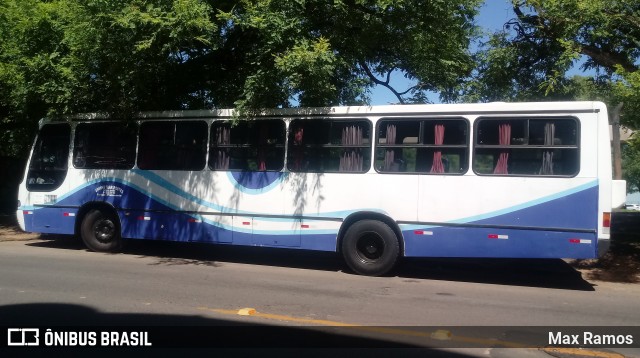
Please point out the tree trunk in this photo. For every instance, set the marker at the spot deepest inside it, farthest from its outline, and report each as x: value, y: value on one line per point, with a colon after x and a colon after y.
x: 614, y: 120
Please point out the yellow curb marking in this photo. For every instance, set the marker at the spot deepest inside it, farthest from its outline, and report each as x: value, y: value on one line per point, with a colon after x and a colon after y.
x: 278, y: 317
x: 439, y: 334
x: 582, y: 352
x: 247, y: 312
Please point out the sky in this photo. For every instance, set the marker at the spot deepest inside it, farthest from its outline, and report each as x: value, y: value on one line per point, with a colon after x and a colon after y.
x: 493, y: 15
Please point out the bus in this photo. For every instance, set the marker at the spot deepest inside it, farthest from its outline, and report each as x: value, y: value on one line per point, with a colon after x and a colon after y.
x: 372, y: 183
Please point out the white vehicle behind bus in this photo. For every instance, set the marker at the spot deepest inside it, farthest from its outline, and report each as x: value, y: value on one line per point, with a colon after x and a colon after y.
x: 633, y: 207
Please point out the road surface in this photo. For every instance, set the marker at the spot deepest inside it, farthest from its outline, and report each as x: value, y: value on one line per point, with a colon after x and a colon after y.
x: 58, y: 282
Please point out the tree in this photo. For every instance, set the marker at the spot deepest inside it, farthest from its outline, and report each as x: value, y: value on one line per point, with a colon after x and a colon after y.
x: 122, y: 56
x: 65, y: 56
x: 529, y: 59
x: 631, y: 164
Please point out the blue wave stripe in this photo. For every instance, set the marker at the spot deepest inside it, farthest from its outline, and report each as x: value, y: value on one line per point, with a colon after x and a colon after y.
x: 529, y: 204
x: 259, y: 191
x: 509, y: 210
x: 156, y: 179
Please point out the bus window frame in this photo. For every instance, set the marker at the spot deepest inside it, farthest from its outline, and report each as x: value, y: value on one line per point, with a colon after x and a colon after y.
x: 135, y: 146
x: 577, y: 147
x: 422, y: 119
x: 367, y: 148
x: 211, y: 146
x: 175, y: 122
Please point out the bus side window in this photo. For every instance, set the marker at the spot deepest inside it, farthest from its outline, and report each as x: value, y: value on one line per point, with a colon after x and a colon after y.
x: 327, y: 145
x: 169, y: 145
x: 249, y: 145
x: 104, y: 145
x: 425, y: 146
x: 527, y: 146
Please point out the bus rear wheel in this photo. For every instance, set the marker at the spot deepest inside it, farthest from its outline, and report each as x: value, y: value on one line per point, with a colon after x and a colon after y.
x: 370, y: 247
x: 100, y: 231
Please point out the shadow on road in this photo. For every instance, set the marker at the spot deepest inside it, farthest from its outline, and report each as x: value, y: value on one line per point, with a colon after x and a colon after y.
x: 231, y: 338
x: 547, y: 273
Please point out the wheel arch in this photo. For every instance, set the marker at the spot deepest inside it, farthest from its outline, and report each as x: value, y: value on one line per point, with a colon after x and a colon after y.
x: 369, y: 215
x: 87, y: 207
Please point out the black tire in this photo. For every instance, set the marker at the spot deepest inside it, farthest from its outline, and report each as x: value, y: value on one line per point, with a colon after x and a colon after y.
x: 100, y: 231
x: 370, y: 247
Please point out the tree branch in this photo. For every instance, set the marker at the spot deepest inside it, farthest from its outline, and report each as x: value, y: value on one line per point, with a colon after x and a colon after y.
x: 386, y: 84
x: 359, y: 7
x: 615, y: 130
x: 607, y: 59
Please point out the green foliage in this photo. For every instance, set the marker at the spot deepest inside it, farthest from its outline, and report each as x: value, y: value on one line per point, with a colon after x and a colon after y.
x: 66, y: 56
x: 318, y: 53
x: 122, y: 56
x: 627, y: 91
x: 529, y: 59
x: 631, y: 164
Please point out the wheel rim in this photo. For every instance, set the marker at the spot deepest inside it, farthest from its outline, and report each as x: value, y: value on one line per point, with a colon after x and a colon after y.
x: 370, y: 246
x: 104, y: 230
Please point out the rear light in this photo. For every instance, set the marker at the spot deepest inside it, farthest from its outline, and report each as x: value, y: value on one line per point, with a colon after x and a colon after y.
x: 606, y: 223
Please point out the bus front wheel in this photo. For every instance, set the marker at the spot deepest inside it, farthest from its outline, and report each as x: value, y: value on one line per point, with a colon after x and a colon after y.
x: 100, y: 231
x: 370, y: 247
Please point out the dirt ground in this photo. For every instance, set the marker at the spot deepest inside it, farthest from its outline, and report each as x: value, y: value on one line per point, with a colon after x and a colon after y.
x: 620, y: 264
x: 9, y: 230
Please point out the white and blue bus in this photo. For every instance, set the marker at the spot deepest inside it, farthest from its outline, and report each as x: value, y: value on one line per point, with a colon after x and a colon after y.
x: 499, y: 180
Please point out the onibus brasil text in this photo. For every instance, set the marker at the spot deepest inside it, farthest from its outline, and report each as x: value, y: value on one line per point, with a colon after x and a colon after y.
x: 102, y: 338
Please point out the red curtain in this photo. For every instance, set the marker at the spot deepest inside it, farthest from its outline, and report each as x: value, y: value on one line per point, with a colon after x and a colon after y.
x: 351, y: 159
x: 389, y: 154
x: 262, y: 150
x: 438, y: 166
x: 298, y: 151
x: 223, y: 136
x: 547, y: 155
x: 504, y: 138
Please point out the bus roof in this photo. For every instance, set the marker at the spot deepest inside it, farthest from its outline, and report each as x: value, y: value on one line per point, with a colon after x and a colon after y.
x: 356, y: 111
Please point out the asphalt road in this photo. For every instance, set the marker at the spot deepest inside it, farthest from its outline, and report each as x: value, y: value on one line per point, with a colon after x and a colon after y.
x: 58, y: 282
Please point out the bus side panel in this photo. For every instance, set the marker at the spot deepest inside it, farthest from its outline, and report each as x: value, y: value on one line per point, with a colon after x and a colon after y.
x: 578, y: 211
x: 565, y: 227
x: 145, y: 217
x: 174, y: 226
x: 496, y: 243
x: 50, y: 220
x: 319, y: 242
